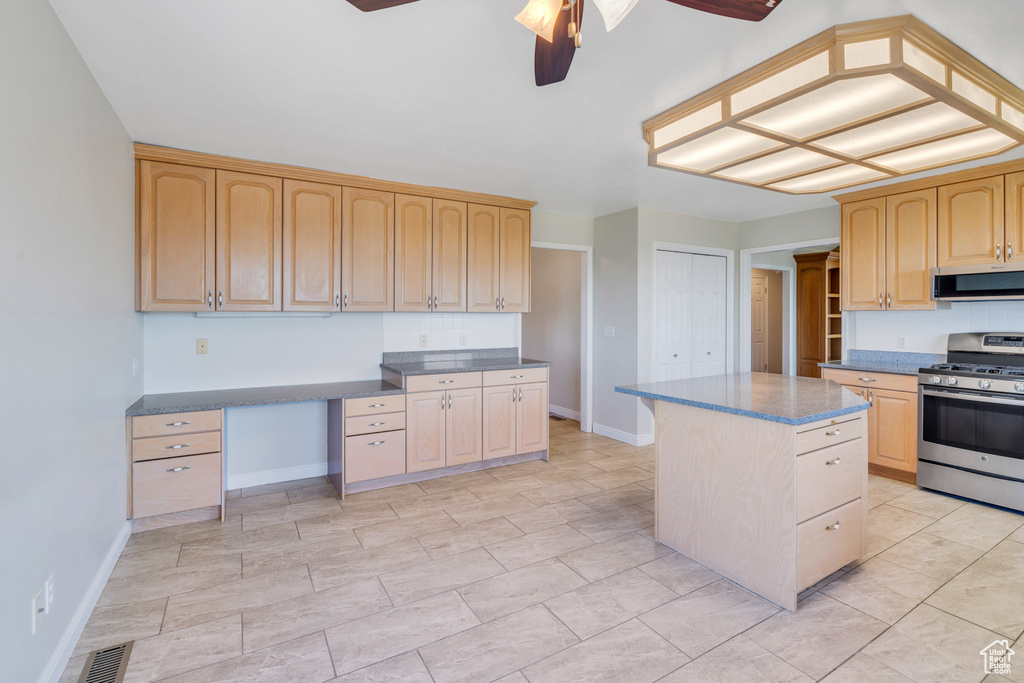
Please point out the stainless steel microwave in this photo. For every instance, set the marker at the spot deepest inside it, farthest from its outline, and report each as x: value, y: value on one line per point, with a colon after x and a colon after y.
x: 994, y: 282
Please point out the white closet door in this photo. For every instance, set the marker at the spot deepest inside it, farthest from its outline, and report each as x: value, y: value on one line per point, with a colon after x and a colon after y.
x: 673, y: 315
x: 709, y: 307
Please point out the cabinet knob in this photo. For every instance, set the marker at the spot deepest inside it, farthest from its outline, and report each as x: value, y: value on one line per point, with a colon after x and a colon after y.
x: 181, y: 445
x: 209, y: 298
x: 374, y: 405
x: 1009, y: 251
x: 497, y: 303
x: 374, y: 424
x: 345, y: 301
x: 999, y: 253
x: 832, y: 462
x: 867, y: 379
x: 178, y: 469
x: 220, y: 297
x: 832, y: 527
x: 834, y: 432
x: 337, y: 300
x: 435, y: 303
x: 177, y: 424
x: 503, y: 303
x: 880, y: 301
x: 374, y: 443
x: 888, y: 301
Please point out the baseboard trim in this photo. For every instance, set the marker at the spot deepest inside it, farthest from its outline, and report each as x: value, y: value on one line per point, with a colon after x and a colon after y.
x: 244, y: 481
x: 563, y: 412
x: 624, y: 437
x: 62, y: 655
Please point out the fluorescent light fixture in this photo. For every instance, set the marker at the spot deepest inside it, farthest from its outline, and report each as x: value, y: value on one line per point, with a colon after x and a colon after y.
x: 614, y: 11
x: 854, y: 104
x: 540, y: 16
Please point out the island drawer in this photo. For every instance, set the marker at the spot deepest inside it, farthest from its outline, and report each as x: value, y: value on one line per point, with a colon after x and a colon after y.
x: 454, y: 380
x: 372, y: 457
x: 374, y: 405
x: 371, y: 424
x: 835, y: 432
x: 175, y: 423
x: 175, y: 484
x: 829, y: 477
x: 828, y: 542
x: 871, y: 380
x: 171, y: 446
x: 497, y: 378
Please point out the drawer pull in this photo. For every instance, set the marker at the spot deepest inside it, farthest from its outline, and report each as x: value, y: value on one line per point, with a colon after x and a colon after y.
x: 178, y: 469
x: 180, y: 445
x: 375, y: 405
x: 832, y: 462
x: 374, y: 443
x: 834, y: 432
x: 445, y: 381
x: 832, y: 527
x: 177, y: 424
x: 516, y: 377
x: 374, y: 424
x: 867, y: 379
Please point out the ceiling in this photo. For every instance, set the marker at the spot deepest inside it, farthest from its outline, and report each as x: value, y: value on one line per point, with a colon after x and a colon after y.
x: 441, y: 92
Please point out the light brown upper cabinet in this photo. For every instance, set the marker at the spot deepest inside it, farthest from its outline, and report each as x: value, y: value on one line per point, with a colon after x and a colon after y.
x: 312, y: 246
x: 175, y: 243
x: 450, y: 258
x: 862, y: 255
x: 515, y: 261
x: 971, y: 218
x: 368, y: 250
x: 1014, y: 226
x: 248, y: 242
x: 484, y: 262
x: 414, y: 244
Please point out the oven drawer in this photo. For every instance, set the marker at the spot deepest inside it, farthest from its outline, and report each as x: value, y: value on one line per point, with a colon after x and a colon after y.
x: 374, y: 456
x: 830, y: 434
x: 371, y: 424
x: 829, y: 477
x: 374, y: 405
x: 823, y: 547
x: 176, y: 484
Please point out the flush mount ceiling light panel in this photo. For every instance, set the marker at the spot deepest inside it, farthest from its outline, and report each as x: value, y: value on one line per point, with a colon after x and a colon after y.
x: 858, y: 103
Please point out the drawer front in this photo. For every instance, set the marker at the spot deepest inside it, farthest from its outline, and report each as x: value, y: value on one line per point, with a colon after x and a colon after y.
x: 371, y: 424
x: 170, y: 446
x: 871, y: 380
x: 829, y: 435
x: 374, y: 405
x: 372, y: 457
x: 455, y: 380
x: 822, y: 550
x: 497, y: 378
x: 829, y: 477
x: 175, y: 423
x: 176, y: 484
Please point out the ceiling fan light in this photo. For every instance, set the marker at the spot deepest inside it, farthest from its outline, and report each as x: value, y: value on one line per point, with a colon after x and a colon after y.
x: 540, y: 17
x: 614, y: 11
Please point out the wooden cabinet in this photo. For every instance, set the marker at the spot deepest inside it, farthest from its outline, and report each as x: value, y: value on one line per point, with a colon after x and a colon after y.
x: 463, y: 427
x: 368, y: 250
x: 425, y: 430
x: 450, y: 256
x: 312, y: 247
x: 532, y: 418
x: 515, y: 418
x: 248, y: 242
x: 862, y: 255
x: 483, y: 260
x: 818, y: 318
x: 1014, y: 222
x: 414, y: 244
x: 971, y: 228
x: 514, y: 271
x: 175, y: 242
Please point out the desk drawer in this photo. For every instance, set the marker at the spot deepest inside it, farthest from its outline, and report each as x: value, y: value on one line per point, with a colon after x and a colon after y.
x: 497, y: 378
x: 170, y: 446
x: 821, y: 549
x: 830, y: 435
x: 829, y: 477
x: 454, y: 380
x: 374, y: 456
x: 175, y: 423
x: 175, y: 484
x: 374, y: 405
x: 371, y: 424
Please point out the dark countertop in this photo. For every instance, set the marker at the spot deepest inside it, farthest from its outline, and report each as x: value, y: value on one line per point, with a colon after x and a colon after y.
x: 890, y: 362
x: 438, y: 367
x: 158, y: 404
x: 775, y: 398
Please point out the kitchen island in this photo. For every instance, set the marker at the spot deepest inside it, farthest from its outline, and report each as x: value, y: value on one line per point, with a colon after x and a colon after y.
x: 760, y: 477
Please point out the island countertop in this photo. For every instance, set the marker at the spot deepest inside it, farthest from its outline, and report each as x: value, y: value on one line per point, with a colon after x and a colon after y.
x: 764, y: 396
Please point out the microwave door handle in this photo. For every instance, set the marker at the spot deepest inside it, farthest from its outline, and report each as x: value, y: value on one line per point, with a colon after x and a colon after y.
x: 964, y: 396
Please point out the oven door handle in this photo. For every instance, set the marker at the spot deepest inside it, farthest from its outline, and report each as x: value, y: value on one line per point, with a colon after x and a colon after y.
x: 966, y: 396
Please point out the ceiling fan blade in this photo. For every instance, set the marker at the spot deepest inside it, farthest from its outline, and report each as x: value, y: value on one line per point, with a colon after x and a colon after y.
x: 551, y: 61
x: 374, y: 5
x: 750, y: 10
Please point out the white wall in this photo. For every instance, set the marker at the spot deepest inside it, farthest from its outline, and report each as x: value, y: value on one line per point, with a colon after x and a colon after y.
x: 791, y: 228
x: 561, y: 228
x: 552, y: 330
x: 927, y: 331
x: 67, y: 336
x: 446, y: 330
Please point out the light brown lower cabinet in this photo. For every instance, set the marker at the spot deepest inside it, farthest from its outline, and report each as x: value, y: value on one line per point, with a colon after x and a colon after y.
x: 515, y: 419
x: 443, y: 428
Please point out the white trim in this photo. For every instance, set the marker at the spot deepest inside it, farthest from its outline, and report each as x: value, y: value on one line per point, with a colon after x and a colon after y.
x: 563, y: 412
x: 586, y: 326
x: 624, y: 437
x: 59, y: 660
x: 244, y: 481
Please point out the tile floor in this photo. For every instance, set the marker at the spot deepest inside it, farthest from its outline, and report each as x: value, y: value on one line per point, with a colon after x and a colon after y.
x: 546, y: 572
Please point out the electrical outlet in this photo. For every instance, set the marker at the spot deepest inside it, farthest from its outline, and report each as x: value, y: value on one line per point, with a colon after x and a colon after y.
x: 901, y: 341
x: 423, y: 341
x: 202, y: 346
x: 609, y: 331
x: 462, y: 338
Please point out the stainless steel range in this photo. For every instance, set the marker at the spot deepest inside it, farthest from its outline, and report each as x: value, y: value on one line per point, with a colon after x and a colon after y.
x: 971, y: 420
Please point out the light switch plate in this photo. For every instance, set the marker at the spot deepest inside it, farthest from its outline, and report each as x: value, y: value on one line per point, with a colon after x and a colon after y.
x: 609, y: 330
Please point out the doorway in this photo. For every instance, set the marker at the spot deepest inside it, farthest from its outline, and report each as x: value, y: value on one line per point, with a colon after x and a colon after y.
x: 766, y: 320
x: 691, y: 307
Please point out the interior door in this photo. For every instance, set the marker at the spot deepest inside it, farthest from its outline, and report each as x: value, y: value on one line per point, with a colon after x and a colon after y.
x: 463, y: 438
x: 674, y: 314
x: 709, y: 309
x: 758, y: 323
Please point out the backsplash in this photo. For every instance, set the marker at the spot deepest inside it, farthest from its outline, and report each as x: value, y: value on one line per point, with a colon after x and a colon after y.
x: 449, y: 330
x: 927, y: 331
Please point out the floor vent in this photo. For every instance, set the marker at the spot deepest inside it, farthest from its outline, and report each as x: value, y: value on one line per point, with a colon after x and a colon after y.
x: 107, y: 665
x: 557, y: 418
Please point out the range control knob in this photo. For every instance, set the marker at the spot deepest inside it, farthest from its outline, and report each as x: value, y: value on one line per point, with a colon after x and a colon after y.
x: 935, y: 379
x: 984, y: 383
x: 951, y: 381
x: 1019, y: 386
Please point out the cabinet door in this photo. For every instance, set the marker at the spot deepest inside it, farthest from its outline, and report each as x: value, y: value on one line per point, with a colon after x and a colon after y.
x: 872, y: 422
x: 312, y: 246
x: 895, y: 433
x: 450, y: 234
x: 483, y: 264
x: 1014, y: 216
x: 499, y: 406
x: 176, y: 224
x: 464, y: 422
x: 971, y: 218
x: 862, y: 256
x: 248, y: 242
x: 425, y: 430
x: 413, y: 253
x: 532, y: 417
x: 910, y: 227
x: 514, y: 275
x: 367, y: 250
